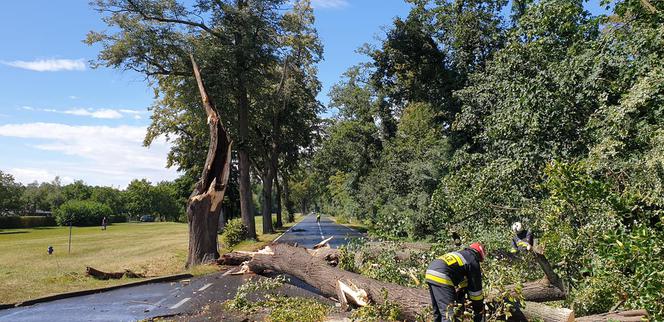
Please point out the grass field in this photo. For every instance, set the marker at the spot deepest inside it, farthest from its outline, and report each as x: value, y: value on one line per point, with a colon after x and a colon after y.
x: 154, y: 249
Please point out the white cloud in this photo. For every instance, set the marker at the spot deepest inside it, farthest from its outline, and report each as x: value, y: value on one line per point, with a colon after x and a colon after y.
x: 102, y: 113
x: 98, y: 114
x: 48, y: 65
x: 101, y: 155
x: 73, y: 97
x: 30, y: 175
x: 329, y: 4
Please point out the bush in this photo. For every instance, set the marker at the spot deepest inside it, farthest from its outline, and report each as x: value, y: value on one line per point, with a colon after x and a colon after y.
x: 7, y: 222
x: 234, y: 233
x: 118, y: 218
x: 82, y: 213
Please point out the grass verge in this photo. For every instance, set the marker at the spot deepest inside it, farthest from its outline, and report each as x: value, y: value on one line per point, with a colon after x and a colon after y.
x: 351, y: 223
x: 154, y: 249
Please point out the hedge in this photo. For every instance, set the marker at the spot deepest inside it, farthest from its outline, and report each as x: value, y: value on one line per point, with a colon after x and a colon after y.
x: 8, y: 222
x: 82, y: 213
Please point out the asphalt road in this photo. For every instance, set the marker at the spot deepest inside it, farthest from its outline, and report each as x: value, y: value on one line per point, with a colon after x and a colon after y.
x: 308, y: 233
x: 159, y: 299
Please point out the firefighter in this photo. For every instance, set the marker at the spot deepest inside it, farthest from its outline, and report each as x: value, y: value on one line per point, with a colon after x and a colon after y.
x: 522, y: 240
x: 452, y: 276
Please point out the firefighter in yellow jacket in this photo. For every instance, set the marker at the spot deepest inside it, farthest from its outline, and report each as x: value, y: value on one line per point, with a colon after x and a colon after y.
x: 452, y: 276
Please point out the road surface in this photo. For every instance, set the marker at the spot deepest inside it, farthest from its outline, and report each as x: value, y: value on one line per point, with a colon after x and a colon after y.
x: 159, y: 299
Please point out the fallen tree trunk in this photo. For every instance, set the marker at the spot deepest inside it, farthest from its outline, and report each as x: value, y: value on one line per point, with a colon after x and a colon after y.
x: 302, y: 264
x: 619, y: 316
x: 100, y: 275
x: 538, y: 311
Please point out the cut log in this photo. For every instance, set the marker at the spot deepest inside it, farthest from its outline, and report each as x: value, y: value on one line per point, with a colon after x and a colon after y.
x: 619, y: 316
x: 299, y: 263
x: 541, y: 312
x: 112, y: 275
x: 539, y: 291
x: 550, y: 274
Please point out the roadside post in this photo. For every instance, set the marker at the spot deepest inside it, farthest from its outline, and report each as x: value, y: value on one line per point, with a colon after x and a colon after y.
x: 70, y: 224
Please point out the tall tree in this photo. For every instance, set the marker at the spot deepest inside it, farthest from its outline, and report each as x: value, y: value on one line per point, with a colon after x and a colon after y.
x: 235, y: 43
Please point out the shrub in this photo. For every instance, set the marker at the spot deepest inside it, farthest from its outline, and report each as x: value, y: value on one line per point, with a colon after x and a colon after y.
x: 234, y: 233
x: 82, y: 213
x: 7, y: 222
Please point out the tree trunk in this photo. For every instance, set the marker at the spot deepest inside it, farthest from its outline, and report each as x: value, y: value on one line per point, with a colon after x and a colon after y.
x: 290, y: 208
x: 541, y: 312
x: 280, y: 222
x: 309, y: 267
x: 243, y: 132
x: 620, y: 316
x: 267, y: 197
x: 204, y: 204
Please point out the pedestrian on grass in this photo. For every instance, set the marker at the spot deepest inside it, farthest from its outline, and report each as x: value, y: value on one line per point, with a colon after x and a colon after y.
x: 104, y: 222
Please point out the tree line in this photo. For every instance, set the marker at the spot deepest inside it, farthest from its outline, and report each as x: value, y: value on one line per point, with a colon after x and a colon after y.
x: 164, y: 200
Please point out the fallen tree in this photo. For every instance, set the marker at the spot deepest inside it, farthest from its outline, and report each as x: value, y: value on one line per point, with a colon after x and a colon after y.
x: 100, y: 275
x: 312, y: 267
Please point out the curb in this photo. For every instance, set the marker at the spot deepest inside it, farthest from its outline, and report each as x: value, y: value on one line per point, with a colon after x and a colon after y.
x: 94, y: 291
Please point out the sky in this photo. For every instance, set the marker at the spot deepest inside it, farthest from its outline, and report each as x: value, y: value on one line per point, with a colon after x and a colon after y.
x: 59, y: 117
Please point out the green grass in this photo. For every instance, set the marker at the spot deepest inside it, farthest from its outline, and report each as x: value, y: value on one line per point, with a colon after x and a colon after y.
x: 351, y: 223
x: 154, y: 249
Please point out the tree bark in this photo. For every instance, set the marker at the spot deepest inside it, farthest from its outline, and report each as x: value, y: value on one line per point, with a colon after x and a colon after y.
x: 244, y: 165
x: 280, y: 222
x: 267, y: 197
x: 541, y: 312
x: 290, y: 208
x: 204, y: 204
x: 619, y: 316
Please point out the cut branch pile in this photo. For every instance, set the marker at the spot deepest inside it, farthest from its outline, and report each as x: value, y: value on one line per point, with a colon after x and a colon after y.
x: 316, y: 268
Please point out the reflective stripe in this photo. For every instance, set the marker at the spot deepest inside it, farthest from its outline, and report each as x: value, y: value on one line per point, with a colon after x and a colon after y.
x: 513, y: 250
x: 476, y: 298
x: 462, y: 260
x: 476, y: 295
x: 522, y: 243
x: 463, y: 284
x: 453, y: 258
x: 438, y: 280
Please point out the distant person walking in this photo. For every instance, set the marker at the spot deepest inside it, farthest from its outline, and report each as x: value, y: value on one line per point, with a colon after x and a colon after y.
x: 104, y: 222
x: 318, y: 218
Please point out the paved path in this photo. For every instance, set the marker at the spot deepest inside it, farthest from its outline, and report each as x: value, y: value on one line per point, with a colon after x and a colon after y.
x: 158, y: 299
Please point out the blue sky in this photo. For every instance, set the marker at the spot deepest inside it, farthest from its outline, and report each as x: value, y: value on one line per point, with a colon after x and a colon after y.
x: 60, y: 117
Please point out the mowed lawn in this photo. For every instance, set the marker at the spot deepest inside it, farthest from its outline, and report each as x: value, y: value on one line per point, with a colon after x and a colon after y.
x: 153, y: 249
x: 27, y: 271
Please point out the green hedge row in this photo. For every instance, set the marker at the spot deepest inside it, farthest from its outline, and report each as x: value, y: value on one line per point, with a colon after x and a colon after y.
x: 7, y: 222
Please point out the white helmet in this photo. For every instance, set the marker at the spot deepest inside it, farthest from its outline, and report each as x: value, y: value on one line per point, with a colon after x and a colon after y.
x: 517, y: 227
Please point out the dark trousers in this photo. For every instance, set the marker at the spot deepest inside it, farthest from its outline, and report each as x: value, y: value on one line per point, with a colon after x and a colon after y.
x: 442, y: 296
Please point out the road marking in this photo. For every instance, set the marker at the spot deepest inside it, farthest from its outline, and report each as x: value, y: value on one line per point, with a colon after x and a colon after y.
x: 161, y: 301
x: 184, y: 300
x: 321, y: 232
x: 204, y: 287
x: 289, y: 229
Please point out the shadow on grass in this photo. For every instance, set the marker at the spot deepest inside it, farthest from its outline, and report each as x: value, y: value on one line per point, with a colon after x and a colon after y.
x: 13, y: 232
x: 45, y: 228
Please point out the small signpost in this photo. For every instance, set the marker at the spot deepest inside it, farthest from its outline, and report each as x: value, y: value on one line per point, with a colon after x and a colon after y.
x: 70, y: 224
